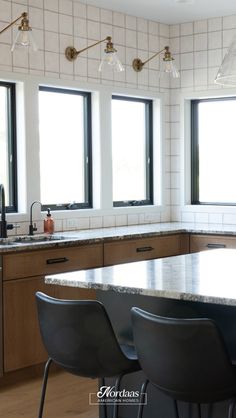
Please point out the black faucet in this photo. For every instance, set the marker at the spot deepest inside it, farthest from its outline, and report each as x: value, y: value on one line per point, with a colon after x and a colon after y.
x: 32, y: 228
x: 4, y: 226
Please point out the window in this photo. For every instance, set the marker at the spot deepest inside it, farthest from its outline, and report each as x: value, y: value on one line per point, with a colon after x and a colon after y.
x: 8, y: 165
x: 213, y: 151
x: 132, y: 132
x: 65, y: 148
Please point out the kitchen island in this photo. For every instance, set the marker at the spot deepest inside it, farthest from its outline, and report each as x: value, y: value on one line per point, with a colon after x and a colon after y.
x: 193, y: 285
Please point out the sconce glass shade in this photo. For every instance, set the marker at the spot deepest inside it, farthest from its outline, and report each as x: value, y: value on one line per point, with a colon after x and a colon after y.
x: 170, y: 68
x: 111, y: 61
x: 227, y: 72
x: 24, y: 38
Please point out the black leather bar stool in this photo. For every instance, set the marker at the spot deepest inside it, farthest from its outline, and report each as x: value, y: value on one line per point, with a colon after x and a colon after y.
x: 186, y: 359
x: 79, y: 337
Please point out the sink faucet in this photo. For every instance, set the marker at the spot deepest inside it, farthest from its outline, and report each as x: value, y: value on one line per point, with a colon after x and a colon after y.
x: 32, y: 228
x: 3, y: 223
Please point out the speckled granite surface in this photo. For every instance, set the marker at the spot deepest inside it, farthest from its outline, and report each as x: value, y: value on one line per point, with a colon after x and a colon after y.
x: 208, y: 277
x: 72, y: 238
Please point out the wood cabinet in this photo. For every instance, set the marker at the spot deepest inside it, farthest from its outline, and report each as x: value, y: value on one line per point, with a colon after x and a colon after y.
x: 200, y: 242
x: 23, y: 276
x: 44, y: 262
x: 22, y: 341
x: 145, y: 248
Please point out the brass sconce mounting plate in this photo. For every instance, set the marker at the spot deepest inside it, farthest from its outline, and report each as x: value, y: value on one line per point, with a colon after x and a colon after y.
x: 137, y: 64
x: 71, y: 53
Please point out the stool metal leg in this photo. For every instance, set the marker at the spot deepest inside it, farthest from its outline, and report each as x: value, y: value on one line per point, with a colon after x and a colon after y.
x: 209, y: 410
x: 231, y: 408
x: 142, y: 395
x: 117, y: 387
x: 199, y: 410
x: 104, y: 406
x: 44, y: 387
x: 176, y: 409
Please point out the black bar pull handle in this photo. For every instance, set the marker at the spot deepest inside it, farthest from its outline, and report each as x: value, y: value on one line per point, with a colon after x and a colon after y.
x: 216, y: 245
x: 144, y: 249
x: 57, y: 260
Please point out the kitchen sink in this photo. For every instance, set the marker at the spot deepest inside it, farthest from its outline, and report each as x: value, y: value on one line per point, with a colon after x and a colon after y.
x: 30, y: 239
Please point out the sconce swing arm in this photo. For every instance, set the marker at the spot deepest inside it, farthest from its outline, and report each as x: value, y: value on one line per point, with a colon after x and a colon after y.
x: 24, y: 23
x: 138, y: 64
x: 72, y: 53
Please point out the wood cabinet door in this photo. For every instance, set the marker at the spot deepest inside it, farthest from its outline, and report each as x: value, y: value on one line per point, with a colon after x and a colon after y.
x: 22, y: 340
x: 23, y: 346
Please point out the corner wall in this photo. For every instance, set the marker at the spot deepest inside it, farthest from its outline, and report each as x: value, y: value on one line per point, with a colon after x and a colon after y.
x: 200, y: 47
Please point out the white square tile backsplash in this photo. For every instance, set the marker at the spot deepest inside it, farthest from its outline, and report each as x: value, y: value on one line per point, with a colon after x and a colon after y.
x: 200, y: 26
x: 215, y: 40
x: 186, y: 29
x: 215, y: 24
x: 209, y: 42
x: 186, y: 43
x: 51, y: 5
x: 198, y: 48
x: 79, y: 9
x: 51, y: 21
x: 200, y: 42
x: 200, y: 59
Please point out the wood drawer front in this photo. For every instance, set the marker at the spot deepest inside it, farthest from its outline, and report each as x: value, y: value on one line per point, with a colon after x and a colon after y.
x: 59, y: 260
x: 208, y: 242
x: 145, y: 249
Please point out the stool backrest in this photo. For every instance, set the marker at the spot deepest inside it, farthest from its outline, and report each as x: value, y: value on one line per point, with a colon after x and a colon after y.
x: 78, y: 335
x: 185, y: 358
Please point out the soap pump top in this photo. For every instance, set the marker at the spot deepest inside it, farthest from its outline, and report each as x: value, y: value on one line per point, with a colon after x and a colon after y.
x: 49, y: 223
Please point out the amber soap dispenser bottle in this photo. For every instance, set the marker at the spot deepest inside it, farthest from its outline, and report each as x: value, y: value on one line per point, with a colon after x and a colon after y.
x: 48, y: 223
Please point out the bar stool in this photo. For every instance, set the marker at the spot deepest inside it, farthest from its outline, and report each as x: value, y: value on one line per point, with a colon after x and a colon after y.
x: 186, y: 359
x: 79, y: 337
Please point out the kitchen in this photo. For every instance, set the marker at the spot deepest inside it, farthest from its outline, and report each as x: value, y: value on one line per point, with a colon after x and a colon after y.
x: 198, y: 45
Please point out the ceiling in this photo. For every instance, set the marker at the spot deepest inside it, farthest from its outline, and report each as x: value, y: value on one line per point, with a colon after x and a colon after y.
x: 168, y: 11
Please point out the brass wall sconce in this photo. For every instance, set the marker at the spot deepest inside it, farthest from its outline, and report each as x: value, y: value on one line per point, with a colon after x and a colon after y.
x: 110, y: 58
x: 24, y: 36
x: 169, y: 66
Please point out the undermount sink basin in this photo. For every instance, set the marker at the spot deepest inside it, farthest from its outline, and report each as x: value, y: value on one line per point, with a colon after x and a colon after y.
x: 30, y: 239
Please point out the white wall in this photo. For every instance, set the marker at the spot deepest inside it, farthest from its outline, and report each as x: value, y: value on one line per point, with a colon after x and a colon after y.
x: 56, y: 25
x: 200, y: 47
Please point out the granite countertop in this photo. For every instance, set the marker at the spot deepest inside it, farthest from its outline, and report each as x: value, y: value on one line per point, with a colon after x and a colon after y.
x: 72, y: 238
x: 208, y: 276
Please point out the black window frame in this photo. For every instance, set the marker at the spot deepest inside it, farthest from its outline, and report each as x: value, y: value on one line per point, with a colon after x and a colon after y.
x: 195, y: 151
x: 149, y: 152
x: 12, y: 146
x: 87, y: 150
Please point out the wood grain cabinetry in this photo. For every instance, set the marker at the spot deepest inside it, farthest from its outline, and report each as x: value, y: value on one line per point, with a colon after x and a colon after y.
x: 23, y: 276
x: 44, y: 262
x: 22, y: 341
x: 200, y: 242
x: 145, y: 248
